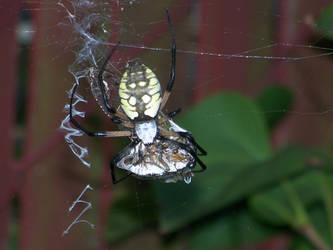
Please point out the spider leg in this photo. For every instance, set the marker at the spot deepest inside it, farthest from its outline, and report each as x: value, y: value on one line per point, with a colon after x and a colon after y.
x: 174, y: 113
x: 113, y: 172
x: 173, y: 65
x: 112, y: 111
x: 114, y: 162
x: 75, y: 122
x: 86, y: 131
x: 168, y: 116
x: 202, y: 165
x: 121, y: 133
x: 191, y: 139
x: 186, y: 135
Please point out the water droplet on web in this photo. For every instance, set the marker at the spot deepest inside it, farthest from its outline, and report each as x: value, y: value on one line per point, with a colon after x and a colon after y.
x: 187, y: 179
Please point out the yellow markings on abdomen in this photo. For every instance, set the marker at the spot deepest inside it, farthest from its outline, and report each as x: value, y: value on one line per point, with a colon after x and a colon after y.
x: 132, y: 85
x: 140, y: 92
x: 146, y: 98
x: 129, y: 110
x: 153, y: 106
x: 124, y: 95
x: 132, y: 100
x: 142, y: 83
x: 152, y: 89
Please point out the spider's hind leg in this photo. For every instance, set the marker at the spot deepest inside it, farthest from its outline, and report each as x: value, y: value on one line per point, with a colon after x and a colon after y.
x: 189, y: 136
x: 113, y: 165
x: 202, y: 165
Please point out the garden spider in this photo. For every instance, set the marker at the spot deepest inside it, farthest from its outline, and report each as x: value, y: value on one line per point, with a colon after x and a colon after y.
x: 159, y: 148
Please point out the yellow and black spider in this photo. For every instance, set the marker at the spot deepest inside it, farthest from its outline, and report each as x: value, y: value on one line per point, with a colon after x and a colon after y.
x: 159, y: 148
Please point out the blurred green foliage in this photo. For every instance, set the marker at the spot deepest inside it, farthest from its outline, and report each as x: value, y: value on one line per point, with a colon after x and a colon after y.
x: 247, y: 194
x: 275, y: 101
x: 232, y: 130
x: 324, y: 23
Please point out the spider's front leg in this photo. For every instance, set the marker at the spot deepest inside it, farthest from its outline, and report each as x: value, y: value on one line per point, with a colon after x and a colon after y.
x: 75, y: 122
x: 88, y: 132
x: 173, y: 64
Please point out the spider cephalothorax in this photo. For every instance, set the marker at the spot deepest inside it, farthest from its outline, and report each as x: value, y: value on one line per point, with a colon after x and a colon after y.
x: 159, y: 148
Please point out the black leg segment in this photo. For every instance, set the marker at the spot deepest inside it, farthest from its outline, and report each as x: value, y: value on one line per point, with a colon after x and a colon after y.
x: 173, y: 55
x: 174, y: 113
x: 114, y: 161
x: 191, y: 139
x: 113, y: 165
x: 75, y: 122
x: 102, y: 88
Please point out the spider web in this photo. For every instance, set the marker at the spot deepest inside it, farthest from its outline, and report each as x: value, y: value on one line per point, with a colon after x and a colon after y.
x: 96, y: 26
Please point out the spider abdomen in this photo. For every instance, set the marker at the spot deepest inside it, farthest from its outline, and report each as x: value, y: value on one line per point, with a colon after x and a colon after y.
x: 139, y: 92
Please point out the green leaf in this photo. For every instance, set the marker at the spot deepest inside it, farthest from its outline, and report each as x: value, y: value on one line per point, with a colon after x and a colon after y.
x: 232, y: 130
x: 277, y: 206
x: 318, y: 218
x: 299, y: 243
x: 231, y: 229
x: 275, y: 101
x: 224, y: 184
x: 327, y: 193
x: 325, y: 22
